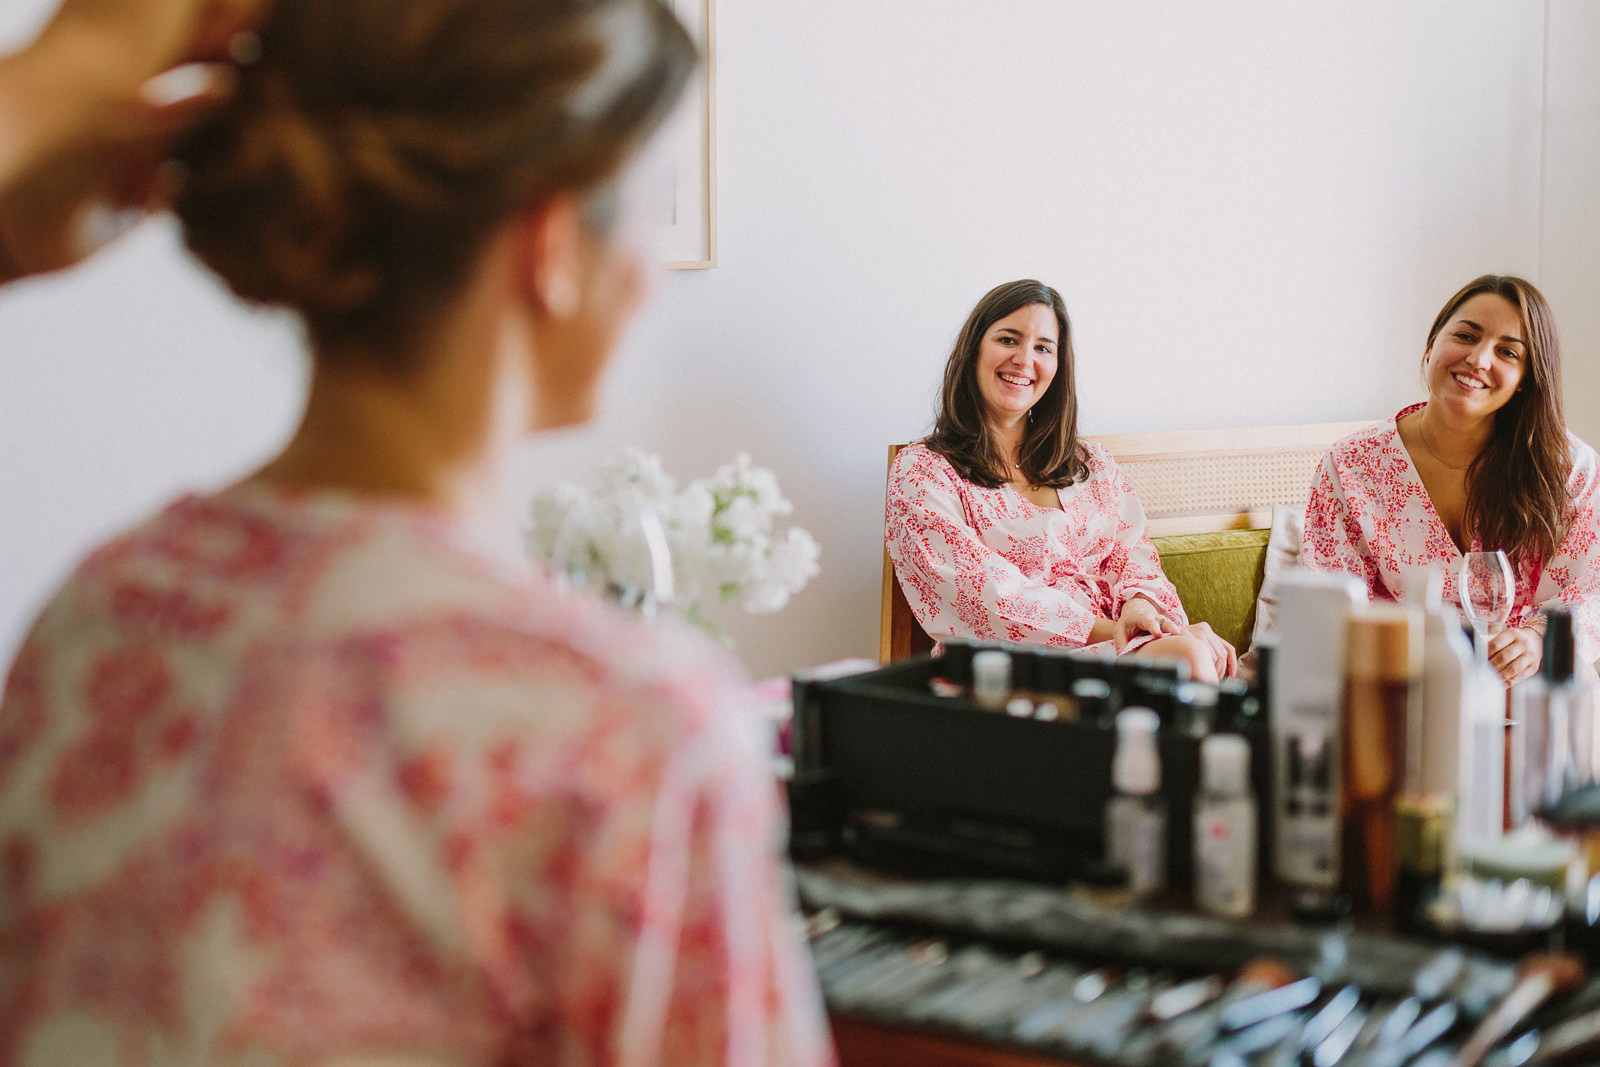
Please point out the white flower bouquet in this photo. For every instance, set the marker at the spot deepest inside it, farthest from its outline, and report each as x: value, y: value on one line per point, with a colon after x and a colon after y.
x: 717, y: 537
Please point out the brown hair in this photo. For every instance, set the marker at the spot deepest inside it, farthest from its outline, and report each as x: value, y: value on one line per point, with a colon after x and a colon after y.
x: 375, y: 145
x: 1517, y: 487
x: 1050, y: 454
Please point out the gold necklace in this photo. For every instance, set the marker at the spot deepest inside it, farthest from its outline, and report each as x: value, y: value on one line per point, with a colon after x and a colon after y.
x: 1422, y: 432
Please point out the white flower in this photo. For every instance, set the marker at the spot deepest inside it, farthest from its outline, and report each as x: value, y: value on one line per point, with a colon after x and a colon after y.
x: 742, y: 520
x: 638, y: 476
x: 689, y: 518
x: 721, y: 531
x: 793, y: 560
x: 565, y: 520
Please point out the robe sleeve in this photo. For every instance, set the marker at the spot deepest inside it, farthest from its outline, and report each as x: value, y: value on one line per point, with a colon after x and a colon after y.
x: 956, y: 584
x: 1135, y: 565
x: 1333, y: 538
x: 1575, y: 568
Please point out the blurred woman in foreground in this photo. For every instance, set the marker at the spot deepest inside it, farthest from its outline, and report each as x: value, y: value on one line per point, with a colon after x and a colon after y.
x: 317, y: 769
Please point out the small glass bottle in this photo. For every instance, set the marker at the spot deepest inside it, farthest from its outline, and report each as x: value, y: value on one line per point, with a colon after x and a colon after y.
x: 1383, y: 675
x: 1136, y: 815
x: 1196, y: 706
x: 1225, y: 829
x: 991, y: 678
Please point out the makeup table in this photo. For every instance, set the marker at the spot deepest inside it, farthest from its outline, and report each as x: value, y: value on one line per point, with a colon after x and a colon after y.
x: 983, y: 973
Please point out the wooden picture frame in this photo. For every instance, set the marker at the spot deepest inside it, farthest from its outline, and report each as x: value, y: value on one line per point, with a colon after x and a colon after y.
x: 686, y: 227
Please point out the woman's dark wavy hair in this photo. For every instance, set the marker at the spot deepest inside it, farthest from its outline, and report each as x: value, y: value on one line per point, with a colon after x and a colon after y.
x: 1517, y: 487
x: 1050, y: 454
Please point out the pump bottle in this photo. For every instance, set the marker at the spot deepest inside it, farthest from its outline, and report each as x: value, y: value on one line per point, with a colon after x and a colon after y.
x: 1225, y: 829
x: 1136, y: 816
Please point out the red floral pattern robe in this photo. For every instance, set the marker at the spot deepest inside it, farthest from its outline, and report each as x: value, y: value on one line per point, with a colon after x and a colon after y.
x: 989, y: 563
x: 310, y: 779
x: 1371, y: 516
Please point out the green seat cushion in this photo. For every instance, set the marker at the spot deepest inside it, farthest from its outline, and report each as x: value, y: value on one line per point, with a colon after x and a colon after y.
x: 1218, y: 577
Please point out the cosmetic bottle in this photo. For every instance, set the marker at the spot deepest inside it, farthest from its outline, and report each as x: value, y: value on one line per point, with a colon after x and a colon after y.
x: 991, y: 678
x: 1266, y: 651
x: 1195, y: 707
x: 1382, y: 710
x: 1306, y: 698
x: 1554, y: 734
x: 1481, y: 814
x: 1151, y: 684
x: 1136, y: 815
x: 1225, y: 823
x: 1439, y: 740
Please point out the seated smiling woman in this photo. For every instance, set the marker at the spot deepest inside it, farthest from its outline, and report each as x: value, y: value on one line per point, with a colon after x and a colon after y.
x: 1485, y: 463
x: 1004, y: 524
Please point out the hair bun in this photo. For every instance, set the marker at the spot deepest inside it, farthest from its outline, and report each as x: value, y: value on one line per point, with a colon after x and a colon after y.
x: 270, y: 201
x: 374, y: 145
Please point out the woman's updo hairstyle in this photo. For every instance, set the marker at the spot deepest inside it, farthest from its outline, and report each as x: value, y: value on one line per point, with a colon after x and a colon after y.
x: 375, y: 145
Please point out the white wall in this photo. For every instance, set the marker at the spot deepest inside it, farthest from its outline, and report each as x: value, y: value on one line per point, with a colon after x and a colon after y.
x: 1569, y: 261
x: 1253, y: 210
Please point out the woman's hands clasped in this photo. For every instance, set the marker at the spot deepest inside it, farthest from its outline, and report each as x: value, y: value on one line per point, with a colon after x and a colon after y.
x: 1225, y: 655
x: 1140, y: 616
x: 1199, y: 645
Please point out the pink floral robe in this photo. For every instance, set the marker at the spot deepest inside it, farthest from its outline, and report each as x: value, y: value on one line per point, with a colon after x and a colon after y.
x: 988, y: 563
x: 310, y: 779
x: 1370, y: 515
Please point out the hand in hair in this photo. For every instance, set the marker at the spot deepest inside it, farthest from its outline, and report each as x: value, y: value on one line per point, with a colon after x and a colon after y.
x: 89, y: 111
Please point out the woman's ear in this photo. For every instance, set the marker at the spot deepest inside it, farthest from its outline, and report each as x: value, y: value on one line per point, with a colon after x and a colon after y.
x: 550, y: 257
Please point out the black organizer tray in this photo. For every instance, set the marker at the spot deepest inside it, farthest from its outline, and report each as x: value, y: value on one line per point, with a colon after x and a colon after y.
x: 894, y: 775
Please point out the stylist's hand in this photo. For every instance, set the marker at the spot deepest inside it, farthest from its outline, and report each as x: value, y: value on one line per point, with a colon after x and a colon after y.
x: 90, y: 111
x: 1516, y: 653
x: 1140, y: 616
x: 1225, y: 655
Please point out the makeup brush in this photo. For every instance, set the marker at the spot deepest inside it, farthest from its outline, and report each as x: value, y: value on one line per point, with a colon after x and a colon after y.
x: 1541, y: 976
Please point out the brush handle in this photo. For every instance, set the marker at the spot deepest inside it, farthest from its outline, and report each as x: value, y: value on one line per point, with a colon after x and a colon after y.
x: 1524, y: 997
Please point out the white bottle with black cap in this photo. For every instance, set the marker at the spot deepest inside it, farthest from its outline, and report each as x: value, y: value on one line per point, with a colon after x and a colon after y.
x: 1136, y: 816
x: 1225, y: 829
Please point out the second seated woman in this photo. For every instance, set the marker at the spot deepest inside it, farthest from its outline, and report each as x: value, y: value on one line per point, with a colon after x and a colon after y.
x: 1485, y: 464
x: 1005, y: 524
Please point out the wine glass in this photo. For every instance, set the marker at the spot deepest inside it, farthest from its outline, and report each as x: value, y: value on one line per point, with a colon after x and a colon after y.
x: 1485, y: 585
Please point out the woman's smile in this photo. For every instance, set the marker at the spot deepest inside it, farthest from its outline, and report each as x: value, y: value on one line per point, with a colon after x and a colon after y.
x: 1017, y: 361
x: 1475, y: 363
